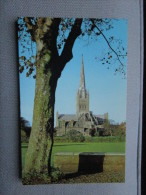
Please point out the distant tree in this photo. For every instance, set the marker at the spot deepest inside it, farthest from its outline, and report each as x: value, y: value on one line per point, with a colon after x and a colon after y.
x: 122, y: 126
x: 108, y: 128
x: 120, y: 130
x: 114, y: 129
x: 25, y: 129
x: 54, y: 39
x: 25, y: 126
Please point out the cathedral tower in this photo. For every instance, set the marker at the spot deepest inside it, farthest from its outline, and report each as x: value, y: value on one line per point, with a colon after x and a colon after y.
x: 82, y: 99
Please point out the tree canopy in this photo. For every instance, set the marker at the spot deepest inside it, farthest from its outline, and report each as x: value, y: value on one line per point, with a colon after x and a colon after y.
x: 66, y: 31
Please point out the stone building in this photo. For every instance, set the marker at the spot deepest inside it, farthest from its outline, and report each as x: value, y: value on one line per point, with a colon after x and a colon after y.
x: 84, y: 120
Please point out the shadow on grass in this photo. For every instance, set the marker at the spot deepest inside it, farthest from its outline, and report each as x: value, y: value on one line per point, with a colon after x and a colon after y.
x: 89, y: 163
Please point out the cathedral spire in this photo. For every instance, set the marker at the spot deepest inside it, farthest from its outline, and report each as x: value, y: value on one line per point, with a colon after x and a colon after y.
x: 82, y: 98
x: 82, y: 76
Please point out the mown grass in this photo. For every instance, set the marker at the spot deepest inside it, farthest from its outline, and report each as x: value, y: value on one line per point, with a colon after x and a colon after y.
x: 106, y: 147
x: 94, y: 139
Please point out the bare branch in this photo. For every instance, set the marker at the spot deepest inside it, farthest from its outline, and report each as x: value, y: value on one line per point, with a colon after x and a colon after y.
x: 118, y: 56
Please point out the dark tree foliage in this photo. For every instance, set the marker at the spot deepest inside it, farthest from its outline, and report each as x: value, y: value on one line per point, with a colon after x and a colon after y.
x: 25, y: 126
x: 92, y: 132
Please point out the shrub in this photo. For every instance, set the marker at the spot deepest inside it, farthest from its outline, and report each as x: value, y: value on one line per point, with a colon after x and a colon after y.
x: 56, y: 174
x: 24, y: 137
x: 92, y: 132
x: 75, y: 136
x: 35, y: 178
x: 38, y: 178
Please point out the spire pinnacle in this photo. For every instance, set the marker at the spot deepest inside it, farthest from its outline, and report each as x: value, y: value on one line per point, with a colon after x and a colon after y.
x: 82, y: 75
x: 82, y: 58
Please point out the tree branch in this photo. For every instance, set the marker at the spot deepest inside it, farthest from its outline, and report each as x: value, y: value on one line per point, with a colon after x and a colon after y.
x: 30, y: 26
x: 66, y: 54
x: 118, y: 56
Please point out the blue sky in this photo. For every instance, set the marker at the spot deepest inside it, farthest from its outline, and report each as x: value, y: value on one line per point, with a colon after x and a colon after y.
x: 107, y: 92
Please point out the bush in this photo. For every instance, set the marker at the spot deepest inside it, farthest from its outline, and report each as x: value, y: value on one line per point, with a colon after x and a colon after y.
x: 24, y: 137
x: 56, y: 174
x: 92, y: 132
x: 75, y: 136
x: 39, y: 178
x: 35, y: 178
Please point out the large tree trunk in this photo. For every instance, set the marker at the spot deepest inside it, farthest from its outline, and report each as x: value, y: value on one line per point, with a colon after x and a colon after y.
x: 38, y: 156
x: 49, y: 66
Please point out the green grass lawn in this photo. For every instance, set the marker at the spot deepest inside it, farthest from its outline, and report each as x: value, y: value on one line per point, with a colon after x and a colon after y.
x: 118, y: 147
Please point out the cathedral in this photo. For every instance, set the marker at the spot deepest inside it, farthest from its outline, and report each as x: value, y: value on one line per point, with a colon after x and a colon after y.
x: 84, y: 120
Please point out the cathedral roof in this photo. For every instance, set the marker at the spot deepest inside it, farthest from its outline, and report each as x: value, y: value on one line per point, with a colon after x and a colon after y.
x: 100, y: 116
x: 67, y: 117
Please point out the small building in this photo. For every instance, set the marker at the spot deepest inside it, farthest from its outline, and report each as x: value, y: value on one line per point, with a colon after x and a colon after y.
x: 84, y: 120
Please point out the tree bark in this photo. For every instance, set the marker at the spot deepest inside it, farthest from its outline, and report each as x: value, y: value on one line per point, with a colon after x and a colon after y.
x: 38, y: 157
